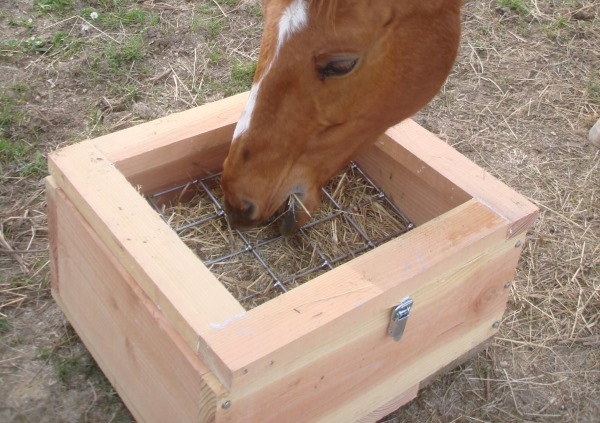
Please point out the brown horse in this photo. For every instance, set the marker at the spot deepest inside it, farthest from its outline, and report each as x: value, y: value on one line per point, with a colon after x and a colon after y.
x: 332, y: 76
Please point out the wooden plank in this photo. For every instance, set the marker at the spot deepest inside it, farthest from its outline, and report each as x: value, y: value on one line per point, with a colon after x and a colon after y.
x: 439, y: 159
x: 52, y: 234
x: 420, y: 196
x: 168, y: 271
x: 174, y: 149
x: 351, y: 379
x: 460, y: 342
x: 321, y: 310
x: 156, y: 374
x: 385, y: 409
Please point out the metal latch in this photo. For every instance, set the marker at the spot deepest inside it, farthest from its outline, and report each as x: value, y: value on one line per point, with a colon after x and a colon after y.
x: 399, y: 318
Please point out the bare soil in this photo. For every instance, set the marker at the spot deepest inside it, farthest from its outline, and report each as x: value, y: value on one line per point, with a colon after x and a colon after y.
x: 520, y: 101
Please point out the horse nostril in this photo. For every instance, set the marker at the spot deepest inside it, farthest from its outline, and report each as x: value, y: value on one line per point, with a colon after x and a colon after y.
x: 248, y: 209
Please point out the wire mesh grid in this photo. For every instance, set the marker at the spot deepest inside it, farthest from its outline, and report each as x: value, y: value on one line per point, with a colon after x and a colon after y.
x: 256, y: 265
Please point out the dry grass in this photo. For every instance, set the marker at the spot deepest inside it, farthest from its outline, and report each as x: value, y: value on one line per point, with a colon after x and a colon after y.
x: 258, y: 264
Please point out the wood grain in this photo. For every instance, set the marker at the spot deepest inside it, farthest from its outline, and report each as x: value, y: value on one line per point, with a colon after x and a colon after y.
x: 157, y: 375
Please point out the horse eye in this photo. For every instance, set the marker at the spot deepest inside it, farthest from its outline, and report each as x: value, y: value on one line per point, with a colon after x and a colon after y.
x: 337, y: 67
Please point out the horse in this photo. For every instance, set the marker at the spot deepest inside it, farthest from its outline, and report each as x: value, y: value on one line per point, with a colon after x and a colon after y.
x: 332, y: 77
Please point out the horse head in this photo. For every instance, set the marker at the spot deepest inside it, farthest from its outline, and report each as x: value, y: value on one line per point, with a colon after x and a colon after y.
x: 331, y: 77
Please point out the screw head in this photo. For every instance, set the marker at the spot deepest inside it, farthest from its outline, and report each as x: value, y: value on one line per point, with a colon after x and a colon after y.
x: 496, y: 324
x: 226, y: 405
x: 506, y: 284
x: 518, y: 244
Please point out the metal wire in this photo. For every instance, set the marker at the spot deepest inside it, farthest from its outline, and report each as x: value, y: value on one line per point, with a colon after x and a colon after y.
x: 325, y: 263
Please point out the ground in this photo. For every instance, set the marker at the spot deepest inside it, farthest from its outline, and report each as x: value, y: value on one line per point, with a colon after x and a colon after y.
x: 522, y: 96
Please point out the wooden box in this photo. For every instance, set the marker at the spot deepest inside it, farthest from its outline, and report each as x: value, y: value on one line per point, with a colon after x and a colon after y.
x: 178, y: 347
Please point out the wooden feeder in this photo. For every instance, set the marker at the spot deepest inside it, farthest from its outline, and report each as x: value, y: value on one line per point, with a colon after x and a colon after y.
x: 353, y: 344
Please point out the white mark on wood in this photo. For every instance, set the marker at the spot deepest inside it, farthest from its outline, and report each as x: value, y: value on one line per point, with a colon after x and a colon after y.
x: 420, y: 261
x: 492, y: 208
x: 225, y: 323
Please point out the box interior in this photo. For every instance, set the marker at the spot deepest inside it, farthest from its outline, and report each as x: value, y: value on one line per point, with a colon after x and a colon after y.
x: 400, y: 176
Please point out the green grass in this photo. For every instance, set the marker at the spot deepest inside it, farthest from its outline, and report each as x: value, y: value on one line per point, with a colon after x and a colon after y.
x: 17, y: 155
x: 240, y: 78
x: 211, y: 27
x: 554, y: 30
x: 109, y: 4
x: 36, y: 165
x: 19, y: 22
x: 38, y: 45
x: 4, y: 325
x: 593, y: 90
x: 121, y: 55
x: 516, y: 5
x: 256, y: 10
x: 229, y: 3
x: 8, y: 112
x: 214, y: 55
x: 71, y: 364
x: 68, y: 364
x: 53, y: 5
x: 121, y: 18
x: 22, y: 158
x: 11, y: 151
x: 127, y: 93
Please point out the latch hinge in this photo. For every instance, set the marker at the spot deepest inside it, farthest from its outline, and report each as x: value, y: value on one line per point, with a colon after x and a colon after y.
x: 399, y: 318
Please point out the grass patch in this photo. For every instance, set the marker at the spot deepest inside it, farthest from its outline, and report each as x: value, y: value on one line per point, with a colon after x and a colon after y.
x: 593, y: 90
x: 18, y: 22
x: 15, y: 154
x: 127, y: 93
x: 230, y: 3
x: 241, y: 78
x: 516, y: 5
x: 53, y: 5
x: 36, y: 165
x: 211, y: 27
x: 256, y: 11
x: 10, y: 151
x: 214, y: 55
x: 556, y: 28
x: 114, y: 20
x: 68, y: 365
x: 119, y: 55
x: 9, y: 115
x: 21, y: 158
x: 4, y: 325
x: 39, y: 45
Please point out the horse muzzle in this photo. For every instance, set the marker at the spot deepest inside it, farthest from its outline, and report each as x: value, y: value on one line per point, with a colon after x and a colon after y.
x: 290, y: 216
x: 241, y: 218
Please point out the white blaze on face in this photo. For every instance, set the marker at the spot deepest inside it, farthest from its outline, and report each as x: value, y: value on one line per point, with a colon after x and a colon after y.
x: 293, y: 20
x: 244, y: 122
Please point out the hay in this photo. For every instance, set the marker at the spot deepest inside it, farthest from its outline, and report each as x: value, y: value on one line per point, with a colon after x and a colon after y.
x: 259, y: 264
